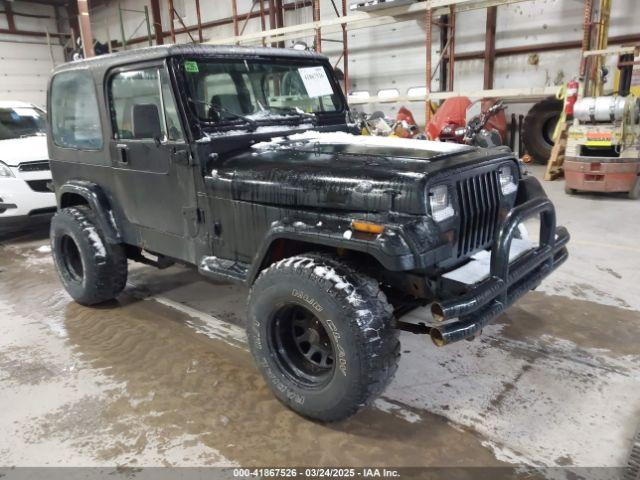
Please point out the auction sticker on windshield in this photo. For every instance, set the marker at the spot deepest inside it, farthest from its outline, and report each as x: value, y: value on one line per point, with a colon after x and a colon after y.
x: 191, y: 67
x: 315, y: 81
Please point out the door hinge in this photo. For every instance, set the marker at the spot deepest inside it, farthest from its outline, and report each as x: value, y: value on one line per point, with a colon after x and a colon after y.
x: 181, y: 156
x: 194, y: 216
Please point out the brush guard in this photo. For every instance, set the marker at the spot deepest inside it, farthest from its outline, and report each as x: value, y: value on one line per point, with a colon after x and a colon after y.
x: 507, y: 282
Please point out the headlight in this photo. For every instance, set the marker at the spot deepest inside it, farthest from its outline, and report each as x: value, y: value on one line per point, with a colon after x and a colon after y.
x: 440, y: 203
x: 507, y: 181
x: 5, y: 172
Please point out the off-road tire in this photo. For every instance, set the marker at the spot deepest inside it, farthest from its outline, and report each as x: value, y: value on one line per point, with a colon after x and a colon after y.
x: 359, y: 321
x: 90, y: 269
x: 536, y: 129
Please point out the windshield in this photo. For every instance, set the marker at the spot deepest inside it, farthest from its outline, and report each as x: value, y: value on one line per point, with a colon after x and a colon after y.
x: 20, y: 122
x: 241, y: 91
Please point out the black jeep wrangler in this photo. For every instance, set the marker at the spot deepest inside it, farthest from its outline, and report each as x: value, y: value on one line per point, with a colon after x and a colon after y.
x: 243, y: 162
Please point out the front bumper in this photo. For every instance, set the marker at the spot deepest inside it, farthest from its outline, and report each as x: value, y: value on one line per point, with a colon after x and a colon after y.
x: 20, y: 204
x: 465, y: 315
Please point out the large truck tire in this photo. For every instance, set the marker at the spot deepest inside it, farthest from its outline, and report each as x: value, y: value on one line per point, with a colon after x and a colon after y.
x: 322, y: 336
x: 538, y: 128
x: 90, y: 269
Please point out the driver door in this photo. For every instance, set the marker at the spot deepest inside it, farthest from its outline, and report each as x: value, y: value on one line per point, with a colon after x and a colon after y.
x: 154, y: 177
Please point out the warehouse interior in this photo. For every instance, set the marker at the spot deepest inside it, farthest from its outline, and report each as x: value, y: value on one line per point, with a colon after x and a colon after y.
x: 163, y: 376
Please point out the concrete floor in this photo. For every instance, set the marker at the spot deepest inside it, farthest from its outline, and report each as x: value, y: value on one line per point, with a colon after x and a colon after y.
x: 163, y: 377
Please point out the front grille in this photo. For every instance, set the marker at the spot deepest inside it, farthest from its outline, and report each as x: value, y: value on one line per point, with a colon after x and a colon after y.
x: 39, y: 166
x: 39, y: 185
x: 479, y: 203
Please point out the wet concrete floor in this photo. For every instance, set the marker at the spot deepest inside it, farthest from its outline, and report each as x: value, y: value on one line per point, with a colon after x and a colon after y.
x: 162, y: 377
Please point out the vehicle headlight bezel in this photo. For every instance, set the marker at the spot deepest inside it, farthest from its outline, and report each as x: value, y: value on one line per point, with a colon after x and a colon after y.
x: 440, y: 202
x: 508, y: 180
x: 5, y: 171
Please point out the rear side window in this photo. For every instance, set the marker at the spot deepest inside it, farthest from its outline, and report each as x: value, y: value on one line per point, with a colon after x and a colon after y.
x: 75, y: 117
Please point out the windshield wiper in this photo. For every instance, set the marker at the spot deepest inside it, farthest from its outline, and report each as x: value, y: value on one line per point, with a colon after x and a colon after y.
x: 34, y: 134
x: 294, y: 111
x: 252, y: 123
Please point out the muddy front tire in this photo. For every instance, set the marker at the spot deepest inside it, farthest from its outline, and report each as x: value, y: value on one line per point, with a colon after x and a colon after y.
x: 322, y: 336
x: 90, y: 269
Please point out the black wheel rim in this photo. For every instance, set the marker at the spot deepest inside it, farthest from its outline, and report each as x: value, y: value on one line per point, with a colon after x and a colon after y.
x: 303, y: 348
x: 71, y: 259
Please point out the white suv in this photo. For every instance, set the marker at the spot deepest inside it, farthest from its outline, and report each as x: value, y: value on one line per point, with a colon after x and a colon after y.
x: 24, y: 166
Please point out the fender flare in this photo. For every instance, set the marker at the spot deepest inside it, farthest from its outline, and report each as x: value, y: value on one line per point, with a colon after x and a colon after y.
x: 397, y: 261
x: 99, y: 204
x: 529, y: 187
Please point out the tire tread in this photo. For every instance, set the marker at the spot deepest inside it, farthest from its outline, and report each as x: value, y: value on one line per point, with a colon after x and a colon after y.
x: 111, y: 269
x: 373, y: 313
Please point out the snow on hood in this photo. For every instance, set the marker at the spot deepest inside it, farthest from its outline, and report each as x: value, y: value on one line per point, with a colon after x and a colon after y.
x: 343, y: 138
x: 19, y: 150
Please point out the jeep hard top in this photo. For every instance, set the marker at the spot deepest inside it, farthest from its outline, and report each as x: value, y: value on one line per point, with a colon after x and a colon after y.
x: 244, y: 163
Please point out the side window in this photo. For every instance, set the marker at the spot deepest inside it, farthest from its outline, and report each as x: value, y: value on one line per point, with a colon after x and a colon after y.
x: 141, y: 102
x: 75, y: 117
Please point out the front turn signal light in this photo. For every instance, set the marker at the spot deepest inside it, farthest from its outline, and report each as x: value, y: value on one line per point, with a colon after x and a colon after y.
x: 366, y: 227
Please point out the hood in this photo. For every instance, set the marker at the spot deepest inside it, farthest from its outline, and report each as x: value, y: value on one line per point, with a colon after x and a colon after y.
x: 342, y: 172
x: 20, y: 150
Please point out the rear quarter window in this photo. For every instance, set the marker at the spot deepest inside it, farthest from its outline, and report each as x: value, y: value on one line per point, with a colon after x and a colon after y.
x: 75, y: 116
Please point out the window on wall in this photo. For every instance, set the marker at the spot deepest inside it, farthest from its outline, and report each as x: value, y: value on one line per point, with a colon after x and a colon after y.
x: 139, y: 96
x: 75, y: 117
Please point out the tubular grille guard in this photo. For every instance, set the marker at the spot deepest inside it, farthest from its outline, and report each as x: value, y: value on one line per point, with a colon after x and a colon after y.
x: 506, y: 283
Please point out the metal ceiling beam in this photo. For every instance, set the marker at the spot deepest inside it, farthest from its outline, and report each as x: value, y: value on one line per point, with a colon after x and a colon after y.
x: 56, y: 3
x: 542, y: 47
x: 360, y: 19
x: 26, y: 15
x: 490, y: 47
x: 85, y: 28
x: 220, y: 22
x: 30, y: 33
x: 156, y: 18
x: 8, y: 11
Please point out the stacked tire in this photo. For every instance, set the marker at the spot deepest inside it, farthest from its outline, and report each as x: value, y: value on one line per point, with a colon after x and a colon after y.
x: 538, y: 128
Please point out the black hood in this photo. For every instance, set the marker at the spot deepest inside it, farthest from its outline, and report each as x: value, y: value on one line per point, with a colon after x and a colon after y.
x: 341, y: 176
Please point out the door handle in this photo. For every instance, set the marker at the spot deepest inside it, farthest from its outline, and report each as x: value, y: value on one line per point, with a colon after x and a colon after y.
x: 123, y: 150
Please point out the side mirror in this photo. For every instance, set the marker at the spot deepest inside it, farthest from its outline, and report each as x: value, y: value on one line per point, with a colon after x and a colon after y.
x: 146, y: 122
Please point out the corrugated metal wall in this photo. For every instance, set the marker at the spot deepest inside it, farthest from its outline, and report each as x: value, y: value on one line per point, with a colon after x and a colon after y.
x: 25, y: 62
x: 393, y: 56
x: 384, y: 57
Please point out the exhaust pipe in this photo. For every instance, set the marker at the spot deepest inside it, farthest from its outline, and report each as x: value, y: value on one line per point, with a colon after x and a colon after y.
x: 463, y: 329
x: 466, y: 304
